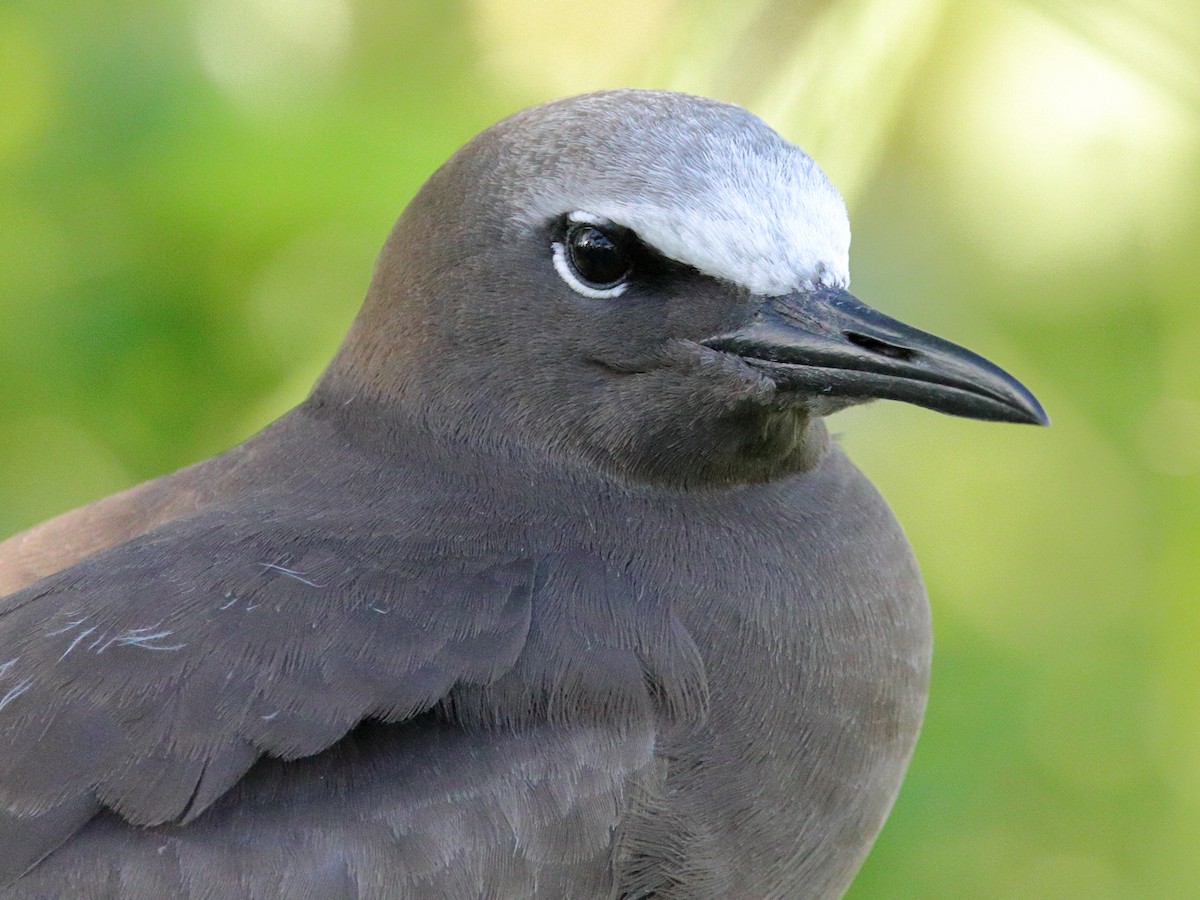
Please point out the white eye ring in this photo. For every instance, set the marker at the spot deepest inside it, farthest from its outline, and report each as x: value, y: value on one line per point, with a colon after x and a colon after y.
x: 564, y: 270
x: 567, y: 273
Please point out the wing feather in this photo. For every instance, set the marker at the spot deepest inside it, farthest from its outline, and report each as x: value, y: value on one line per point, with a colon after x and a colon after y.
x: 532, y: 815
x: 151, y: 676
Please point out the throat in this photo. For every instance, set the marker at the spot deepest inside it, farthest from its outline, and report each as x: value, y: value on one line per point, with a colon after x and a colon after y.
x: 776, y: 437
x: 747, y: 446
x: 777, y: 444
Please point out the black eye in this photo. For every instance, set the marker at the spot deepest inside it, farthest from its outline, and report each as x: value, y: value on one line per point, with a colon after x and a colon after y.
x: 595, y: 256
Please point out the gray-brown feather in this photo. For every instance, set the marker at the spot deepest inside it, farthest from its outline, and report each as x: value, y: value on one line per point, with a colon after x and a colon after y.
x: 610, y: 630
x: 389, y: 812
x: 149, y: 678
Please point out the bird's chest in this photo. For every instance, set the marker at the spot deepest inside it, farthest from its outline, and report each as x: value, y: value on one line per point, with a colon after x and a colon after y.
x: 815, y: 644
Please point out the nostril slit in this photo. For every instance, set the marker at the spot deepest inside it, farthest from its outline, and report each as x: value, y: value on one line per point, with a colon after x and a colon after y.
x: 883, y: 348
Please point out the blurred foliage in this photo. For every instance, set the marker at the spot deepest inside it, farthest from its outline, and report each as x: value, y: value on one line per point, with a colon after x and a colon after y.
x: 191, y: 194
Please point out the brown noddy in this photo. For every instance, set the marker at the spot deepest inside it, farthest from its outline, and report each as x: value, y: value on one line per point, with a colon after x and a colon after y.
x: 555, y: 585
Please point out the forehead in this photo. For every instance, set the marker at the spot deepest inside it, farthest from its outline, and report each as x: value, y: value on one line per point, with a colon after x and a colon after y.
x: 704, y: 183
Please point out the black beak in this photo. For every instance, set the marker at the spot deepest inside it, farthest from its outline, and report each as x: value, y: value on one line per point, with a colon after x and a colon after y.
x: 828, y: 343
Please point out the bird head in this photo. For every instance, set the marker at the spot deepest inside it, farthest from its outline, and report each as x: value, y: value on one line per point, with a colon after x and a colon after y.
x: 648, y: 282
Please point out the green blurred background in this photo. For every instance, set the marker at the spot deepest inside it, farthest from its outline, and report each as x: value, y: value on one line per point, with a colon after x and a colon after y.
x: 192, y: 194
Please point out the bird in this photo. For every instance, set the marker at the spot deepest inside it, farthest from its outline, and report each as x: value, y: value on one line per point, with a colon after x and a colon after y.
x: 556, y: 584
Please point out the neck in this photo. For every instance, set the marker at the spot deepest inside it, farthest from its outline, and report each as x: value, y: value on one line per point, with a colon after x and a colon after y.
x: 696, y: 450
